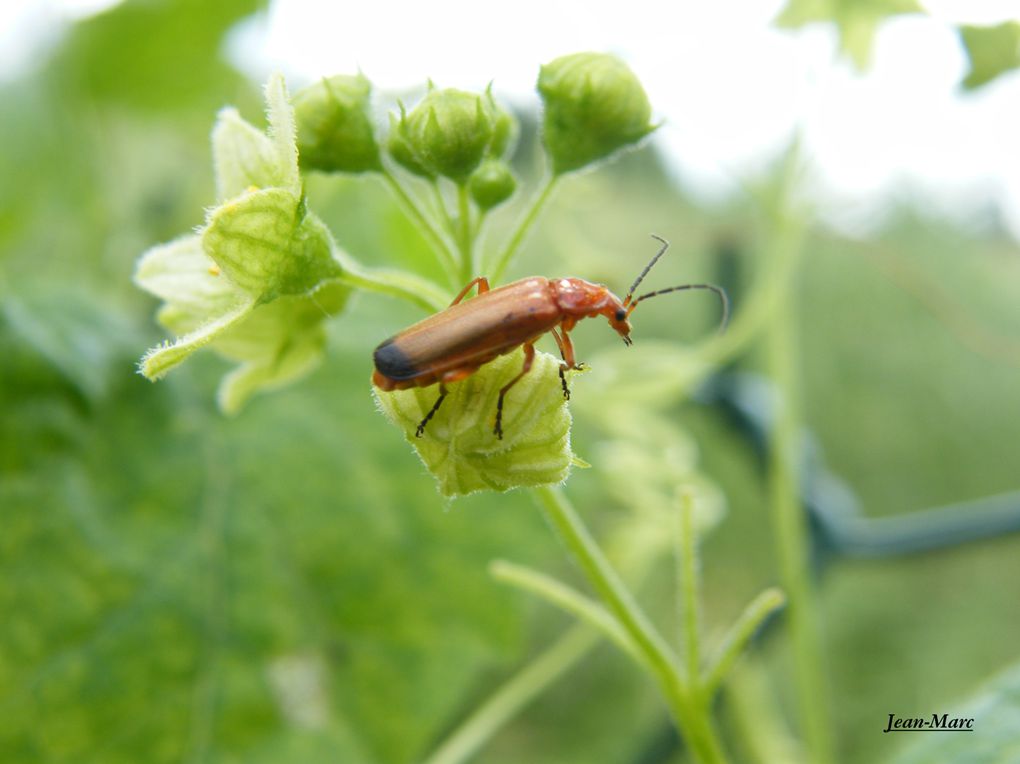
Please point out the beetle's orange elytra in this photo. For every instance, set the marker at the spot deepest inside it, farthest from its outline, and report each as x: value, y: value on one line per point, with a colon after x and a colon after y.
x: 454, y: 343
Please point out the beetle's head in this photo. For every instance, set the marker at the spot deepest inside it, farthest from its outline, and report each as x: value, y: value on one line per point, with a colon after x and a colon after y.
x: 582, y: 299
x: 617, y: 315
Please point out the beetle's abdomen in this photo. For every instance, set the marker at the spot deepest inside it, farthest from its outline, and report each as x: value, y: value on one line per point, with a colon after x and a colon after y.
x: 469, y: 333
x: 392, y: 362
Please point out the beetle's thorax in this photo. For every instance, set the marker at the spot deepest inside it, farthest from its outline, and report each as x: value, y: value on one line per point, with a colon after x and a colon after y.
x: 579, y: 299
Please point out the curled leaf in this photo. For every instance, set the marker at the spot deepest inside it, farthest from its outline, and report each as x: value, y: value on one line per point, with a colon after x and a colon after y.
x: 163, y: 358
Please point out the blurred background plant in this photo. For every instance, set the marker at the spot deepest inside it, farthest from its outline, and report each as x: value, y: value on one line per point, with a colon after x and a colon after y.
x: 286, y: 585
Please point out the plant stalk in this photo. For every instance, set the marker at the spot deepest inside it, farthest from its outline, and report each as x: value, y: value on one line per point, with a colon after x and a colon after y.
x: 789, y: 522
x: 689, y: 710
x: 465, y: 239
x: 499, y: 266
x: 435, y: 239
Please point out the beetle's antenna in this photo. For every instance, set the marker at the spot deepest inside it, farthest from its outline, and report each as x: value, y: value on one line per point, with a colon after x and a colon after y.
x: 720, y: 293
x: 641, y: 276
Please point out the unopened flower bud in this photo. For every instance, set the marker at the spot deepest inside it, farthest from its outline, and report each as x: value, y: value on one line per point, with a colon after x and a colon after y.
x: 448, y: 132
x: 594, y: 105
x: 400, y: 147
x: 504, y: 127
x: 334, y: 126
x: 492, y: 183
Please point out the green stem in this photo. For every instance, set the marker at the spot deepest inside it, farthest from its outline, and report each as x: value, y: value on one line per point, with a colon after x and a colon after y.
x: 637, y: 555
x: 503, y: 260
x: 443, y: 212
x: 687, y: 563
x: 566, y: 598
x: 788, y: 517
x: 488, y: 718
x: 435, y: 239
x: 464, y: 219
x: 689, y: 712
x: 757, y: 721
x: 737, y: 636
x: 476, y: 232
x: 396, y: 283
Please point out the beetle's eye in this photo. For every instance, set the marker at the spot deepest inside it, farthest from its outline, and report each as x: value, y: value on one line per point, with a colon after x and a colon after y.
x: 621, y: 314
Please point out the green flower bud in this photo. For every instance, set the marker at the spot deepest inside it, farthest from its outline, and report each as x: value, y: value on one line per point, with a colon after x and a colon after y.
x: 400, y: 147
x: 504, y: 127
x: 334, y: 126
x: 594, y: 106
x: 459, y: 447
x: 449, y: 132
x: 492, y: 183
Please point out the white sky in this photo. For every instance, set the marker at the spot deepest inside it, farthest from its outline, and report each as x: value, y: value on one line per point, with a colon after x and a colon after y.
x: 730, y: 89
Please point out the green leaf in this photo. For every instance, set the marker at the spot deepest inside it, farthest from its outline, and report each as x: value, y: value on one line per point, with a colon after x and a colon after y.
x: 183, y: 275
x: 260, y: 278
x: 459, y: 447
x: 268, y: 244
x: 158, y: 361
x: 220, y: 565
x: 995, y: 709
x: 278, y: 344
x: 648, y: 463
x: 271, y: 373
x: 856, y: 20
x: 992, y: 52
x: 76, y: 333
x: 153, y: 55
x: 283, y: 133
x: 242, y: 156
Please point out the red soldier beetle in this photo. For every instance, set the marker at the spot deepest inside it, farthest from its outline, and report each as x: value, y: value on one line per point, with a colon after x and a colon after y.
x: 454, y: 343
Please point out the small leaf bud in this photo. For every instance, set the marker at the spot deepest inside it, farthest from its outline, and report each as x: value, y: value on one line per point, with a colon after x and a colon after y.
x: 334, y: 126
x: 492, y: 183
x: 594, y: 105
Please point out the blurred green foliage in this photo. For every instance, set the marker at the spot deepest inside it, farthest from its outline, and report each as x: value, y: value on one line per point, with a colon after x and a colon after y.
x: 856, y: 21
x: 287, y: 586
x: 992, y: 51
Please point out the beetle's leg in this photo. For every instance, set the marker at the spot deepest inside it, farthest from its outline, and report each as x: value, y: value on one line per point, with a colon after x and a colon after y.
x: 432, y: 412
x: 529, y: 357
x: 563, y: 366
x: 456, y: 375
x: 483, y: 287
x: 567, y: 354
